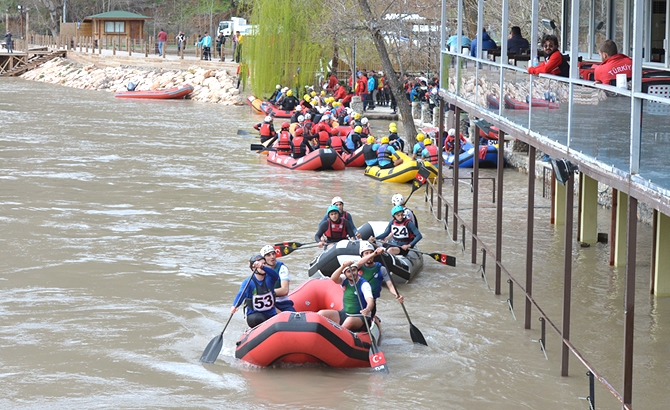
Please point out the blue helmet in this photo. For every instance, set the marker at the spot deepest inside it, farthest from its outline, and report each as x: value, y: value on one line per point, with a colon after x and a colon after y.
x: 334, y: 208
x: 131, y: 86
x: 396, y: 209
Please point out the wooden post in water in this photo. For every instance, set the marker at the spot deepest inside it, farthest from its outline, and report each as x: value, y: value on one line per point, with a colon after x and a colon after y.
x: 113, y: 46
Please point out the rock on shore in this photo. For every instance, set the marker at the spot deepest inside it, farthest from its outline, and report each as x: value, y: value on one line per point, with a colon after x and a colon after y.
x: 213, y: 86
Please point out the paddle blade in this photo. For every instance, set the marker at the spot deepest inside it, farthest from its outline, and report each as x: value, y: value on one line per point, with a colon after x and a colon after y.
x: 420, y: 178
x: 243, y: 132
x: 212, y: 350
x: 417, y: 336
x: 258, y: 147
x: 377, y: 360
x: 443, y: 258
x: 284, y: 248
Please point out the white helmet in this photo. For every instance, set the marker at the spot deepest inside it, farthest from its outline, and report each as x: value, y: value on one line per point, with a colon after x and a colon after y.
x: 308, y: 116
x: 365, y: 246
x: 452, y: 132
x: 397, y: 199
x: 268, y: 119
x: 278, y: 87
x: 284, y: 89
x: 301, y: 118
x: 267, y: 249
x: 336, y: 199
x: 364, y: 120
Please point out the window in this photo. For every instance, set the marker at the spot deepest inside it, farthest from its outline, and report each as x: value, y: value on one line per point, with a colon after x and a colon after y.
x: 115, y: 27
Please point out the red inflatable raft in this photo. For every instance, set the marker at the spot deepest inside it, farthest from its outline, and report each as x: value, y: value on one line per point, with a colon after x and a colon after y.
x: 512, y: 104
x: 306, y: 337
x: 355, y: 159
x: 319, y: 160
x: 172, y: 93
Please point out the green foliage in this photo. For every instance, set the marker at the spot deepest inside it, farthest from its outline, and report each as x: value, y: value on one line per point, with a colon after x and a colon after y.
x: 282, y: 51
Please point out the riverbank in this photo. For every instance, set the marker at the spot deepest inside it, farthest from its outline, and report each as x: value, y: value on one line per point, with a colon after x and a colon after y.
x: 211, y: 85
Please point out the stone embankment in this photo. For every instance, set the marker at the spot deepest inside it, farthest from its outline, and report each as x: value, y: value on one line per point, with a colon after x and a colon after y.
x: 210, y: 85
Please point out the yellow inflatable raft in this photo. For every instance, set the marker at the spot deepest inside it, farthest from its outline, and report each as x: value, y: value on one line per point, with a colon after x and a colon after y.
x: 402, y: 173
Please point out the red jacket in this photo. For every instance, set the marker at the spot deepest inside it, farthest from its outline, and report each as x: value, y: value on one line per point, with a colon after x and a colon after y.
x: 555, y: 65
x: 616, y: 64
x: 340, y: 93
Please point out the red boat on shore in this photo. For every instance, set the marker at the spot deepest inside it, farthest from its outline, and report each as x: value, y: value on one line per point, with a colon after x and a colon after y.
x: 173, y: 93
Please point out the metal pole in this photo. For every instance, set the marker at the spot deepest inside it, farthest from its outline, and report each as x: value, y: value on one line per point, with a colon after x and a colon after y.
x: 530, y: 225
x: 567, y: 271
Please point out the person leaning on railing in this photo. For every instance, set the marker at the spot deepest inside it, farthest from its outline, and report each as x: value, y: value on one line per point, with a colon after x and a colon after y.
x: 554, y: 62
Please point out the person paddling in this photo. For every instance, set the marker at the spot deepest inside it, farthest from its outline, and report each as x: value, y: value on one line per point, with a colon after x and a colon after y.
x: 405, y: 233
x: 374, y: 273
x: 282, y: 302
x: 357, y: 292
x: 334, y: 229
x: 259, y: 295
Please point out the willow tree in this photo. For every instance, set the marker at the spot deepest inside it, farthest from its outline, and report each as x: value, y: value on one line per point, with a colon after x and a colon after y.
x: 281, y: 50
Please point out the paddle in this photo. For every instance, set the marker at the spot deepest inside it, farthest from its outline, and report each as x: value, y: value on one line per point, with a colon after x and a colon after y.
x: 443, y: 258
x: 419, y: 180
x: 243, y: 132
x: 284, y: 248
x: 377, y: 359
x: 214, y: 346
x: 261, y: 147
x: 414, y: 332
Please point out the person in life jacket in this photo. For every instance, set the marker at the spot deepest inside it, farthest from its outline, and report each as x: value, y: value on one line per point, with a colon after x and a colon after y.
x: 324, y: 135
x: 358, y: 300
x: 275, y: 94
x: 365, y: 128
x: 284, y: 141
x: 259, y: 295
x: 334, y: 229
x: 386, y: 155
x: 266, y: 129
x: 418, y: 147
x: 395, y: 141
x: 405, y: 233
x: 370, y: 152
x: 353, y: 141
x: 451, y: 138
x: 282, y: 286
x: 336, y: 143
x: 312, y: 143
x: 298, y: 144
x: 375, y: 273
x: 296, y: 113
x: 430, y: 153
x: 339, y: 203
x: 289, y: 102
x: 399, y: 200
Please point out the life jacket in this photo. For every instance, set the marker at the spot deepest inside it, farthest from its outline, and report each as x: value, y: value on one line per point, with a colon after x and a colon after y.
x: 433, y: 151
x: 267, y: 130
x: 336, y: 143
x: 324, y: 138
x: 449, y: 142
x: 277, y: 267
x: 297, y: 147
x: 401, y: 231
x: 284, y: 142
x: 383, y: 154
x: 374, y: 277
x: 263, y: 298
x: 336, y: 230
x: 369, y: 154
x: 353, y: 297
x: 365, y: 130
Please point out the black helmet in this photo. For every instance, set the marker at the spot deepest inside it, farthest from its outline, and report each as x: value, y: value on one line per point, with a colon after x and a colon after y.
x: 256, y: 257
x: 131, y: 86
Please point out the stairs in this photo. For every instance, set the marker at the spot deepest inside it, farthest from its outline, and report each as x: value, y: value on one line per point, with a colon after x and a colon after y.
x: 32, y: 62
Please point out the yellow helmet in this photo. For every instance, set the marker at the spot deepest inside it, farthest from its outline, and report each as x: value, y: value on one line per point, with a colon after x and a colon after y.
x: 371, y: 139
x: 420, y: 137
x: 393, y: 125
x: 313, y: 93
x: 385, y: 140
x: 358, y: 129
x: 323, y: 92
x: 306, y: 97
x: 357, y: 116
x: 289, y: 93
x: 427, y: 141
x: 393, y: 129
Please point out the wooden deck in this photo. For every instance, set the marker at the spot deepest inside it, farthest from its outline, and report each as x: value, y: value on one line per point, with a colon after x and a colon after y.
x: 17, y: 63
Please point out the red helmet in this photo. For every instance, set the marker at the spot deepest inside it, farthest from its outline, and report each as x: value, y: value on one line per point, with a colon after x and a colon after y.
x: 298, y: 131
x: 285, y: 124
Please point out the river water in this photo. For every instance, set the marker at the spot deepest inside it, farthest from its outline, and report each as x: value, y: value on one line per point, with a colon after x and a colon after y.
x: 125, y: 227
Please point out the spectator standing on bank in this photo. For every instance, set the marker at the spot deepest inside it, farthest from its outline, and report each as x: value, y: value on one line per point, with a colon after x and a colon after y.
x: 221, y: 45
x: 162, y: 38
x: 181, y: 41
x: 8, y: 42
x: 206, y: 43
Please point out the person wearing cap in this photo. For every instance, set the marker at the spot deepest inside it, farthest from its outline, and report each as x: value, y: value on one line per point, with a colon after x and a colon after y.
x: 370, y: 152
x: 257, y: 292
x: 282, y: 302
x: 358, y: 300
x: 374, y: 273
x: 405, y: 234
x: 334, y: 228
x: 266, y: 129
x: 418, y: 147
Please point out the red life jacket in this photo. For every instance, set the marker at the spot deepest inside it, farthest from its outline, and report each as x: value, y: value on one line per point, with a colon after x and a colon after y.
x: 336, y: 230
x: 297, y: 144
x: 432, y: 150
x: 267, y: 130
x: 324, y: 137
x: 284, y: 142
x: 336, y: 143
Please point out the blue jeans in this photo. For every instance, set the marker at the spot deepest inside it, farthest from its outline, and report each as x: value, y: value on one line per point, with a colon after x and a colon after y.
x: 160, y: 47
